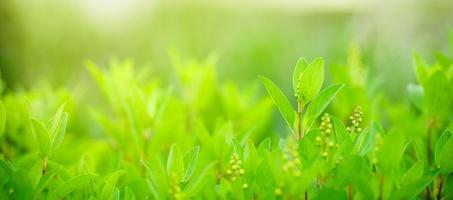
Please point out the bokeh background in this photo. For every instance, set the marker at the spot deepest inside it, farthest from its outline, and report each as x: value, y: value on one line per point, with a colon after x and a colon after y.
x: 51, y: 39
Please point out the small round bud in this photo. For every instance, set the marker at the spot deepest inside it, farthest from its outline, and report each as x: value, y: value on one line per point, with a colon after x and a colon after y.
x: 278, y: 191
x: 245, y: 186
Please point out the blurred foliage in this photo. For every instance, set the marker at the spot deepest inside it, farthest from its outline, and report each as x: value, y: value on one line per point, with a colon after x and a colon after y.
x: 85, y: 115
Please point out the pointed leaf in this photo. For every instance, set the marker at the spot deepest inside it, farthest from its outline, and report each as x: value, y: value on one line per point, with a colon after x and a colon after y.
x: 280, y: 100
x: 60, y: 131
x: 300, y: 67
x: 108, y: 189
x: 443, y: 139
x: 190, y: 162
x: 311, y: 80
x: 42, y: 137
x: 175, y: 165
x: 320, y: 103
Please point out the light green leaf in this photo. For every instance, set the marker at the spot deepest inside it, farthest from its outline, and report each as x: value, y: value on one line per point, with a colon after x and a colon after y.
x: 42, y: 137
x: 60, y: 131
x: 416, y: 96
x: 264, y: 146
x: 152, y: 183
x: 71, y: 185
x: 195, y: 185
x: 320, y: 103
x: 366, y: 140
x: 446, y: 157
x: 2, y: 118
x: 311, y: 80
x: 108, y: 189
x: 128, y: 194
x: 300, y: 67
x: 190, y: 162
x: 438, y: 95
x: 341, y: 133
x: 421, y: 69
x: 443, y: 139
x: 280, y: 100
x: 56, y: 120
x: 175, y: 165
x: 414, y: 173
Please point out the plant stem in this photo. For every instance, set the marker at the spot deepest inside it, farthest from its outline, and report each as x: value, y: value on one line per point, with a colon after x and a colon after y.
x: 428, y: 141
x: 350, y: 192
x: 44, y: 166
x: 306, y: 195
x: 439, y: 192
x: 381, y: 187
x: 300, y: 109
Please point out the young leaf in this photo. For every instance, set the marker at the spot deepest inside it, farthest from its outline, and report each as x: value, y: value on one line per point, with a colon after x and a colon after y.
x: 443, y: 139
x: 319, y: 103
x: 366, y: 140
x: 152, y: 183
x: 415, y: 93
x: 264, y: 146
x: 60, y: 131
x: 175, y: 163
x: 446, y: 157
x: 414, y: 173
x: 280, y: 100
x: 2, y: 118
x: 56, y: 120
x: 341, y: 133
x: 190, y: 162
x: 311, y: 80
x: 438, y: 95
x: 42, y: 137
x: 300, y: 67
x: 108, y: 189
x: 421, y: 70
x: 71, y: 185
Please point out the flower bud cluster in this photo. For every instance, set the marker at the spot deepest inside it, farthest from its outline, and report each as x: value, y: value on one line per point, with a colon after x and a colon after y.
x: 291, y: 157
x: 325, y: 141
x: 356, y: 119
x: 235, y: 170
x: 175, y: 188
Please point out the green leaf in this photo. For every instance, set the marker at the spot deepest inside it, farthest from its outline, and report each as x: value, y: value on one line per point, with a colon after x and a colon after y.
x: 42, y: 137
x: 190, y: 162
x: 280, y: 100
x: 60, y: 131
x: 128, y: 194
x: 311, y: 80
x: 152, y: 183
x: 108, y: 189
x: 443, y: 139
x: 44, y: 180
x: 342, y: 135
x: 175, y: 165
x: 57, y: 120
x: 71, y: 185
x: 196, y: 184
x: 300, y: 67
x: 421, y: 69
x: 320, y: 103
x: 2, y: 118
x: 446, y: 158
x: 264, y: 146
x: 416, y: 96
x: 438, y: 95
x: 414, y: 173
x: 366, y: 140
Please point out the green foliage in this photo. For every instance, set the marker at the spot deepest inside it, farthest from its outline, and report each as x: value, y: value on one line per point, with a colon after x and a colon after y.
x: 135, y: 136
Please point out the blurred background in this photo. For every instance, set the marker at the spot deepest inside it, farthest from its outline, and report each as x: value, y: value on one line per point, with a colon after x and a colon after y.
x: 51, y: 39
